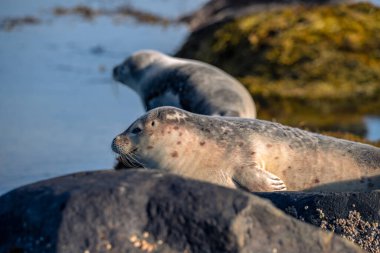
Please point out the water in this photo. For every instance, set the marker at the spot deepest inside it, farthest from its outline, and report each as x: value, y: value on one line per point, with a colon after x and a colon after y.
x: 59, y: 108
x: 373, y: 127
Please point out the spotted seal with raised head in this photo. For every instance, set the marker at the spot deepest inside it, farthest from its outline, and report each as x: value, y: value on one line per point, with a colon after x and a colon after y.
x: 161, y: 80
x: 251, y: 154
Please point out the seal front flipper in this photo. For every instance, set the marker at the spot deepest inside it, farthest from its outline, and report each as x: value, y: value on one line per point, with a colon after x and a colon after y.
x: 256, y: 179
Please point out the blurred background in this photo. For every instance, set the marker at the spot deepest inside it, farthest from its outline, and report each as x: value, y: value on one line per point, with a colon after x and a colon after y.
x: 60, y: 108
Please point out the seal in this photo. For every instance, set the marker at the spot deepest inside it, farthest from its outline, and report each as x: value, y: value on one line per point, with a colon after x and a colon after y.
x: 161, y: 80
x: 250, y: 154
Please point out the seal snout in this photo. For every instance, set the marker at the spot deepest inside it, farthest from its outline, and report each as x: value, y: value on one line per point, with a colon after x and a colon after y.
x: 115, y: 72
x: 120, y: 144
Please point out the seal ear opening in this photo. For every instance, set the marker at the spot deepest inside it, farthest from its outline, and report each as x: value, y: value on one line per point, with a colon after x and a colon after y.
x: 153, y: 123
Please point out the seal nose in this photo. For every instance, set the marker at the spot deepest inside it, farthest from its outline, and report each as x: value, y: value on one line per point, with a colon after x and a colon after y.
x: 119, y: 143
x: 115, y: 72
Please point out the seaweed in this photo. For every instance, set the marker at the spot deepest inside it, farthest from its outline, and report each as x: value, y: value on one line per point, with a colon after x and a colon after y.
x: 304, y: 65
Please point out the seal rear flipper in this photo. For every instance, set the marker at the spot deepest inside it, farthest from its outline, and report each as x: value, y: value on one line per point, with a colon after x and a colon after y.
x: 257, y: 180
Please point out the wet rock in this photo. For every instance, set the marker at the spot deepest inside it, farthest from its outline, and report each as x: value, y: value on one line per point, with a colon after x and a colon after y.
x: 81, y: 10
x: 90, y: 13
x: 9, y: 24
x: 145, y: 211
x: 355, y: 216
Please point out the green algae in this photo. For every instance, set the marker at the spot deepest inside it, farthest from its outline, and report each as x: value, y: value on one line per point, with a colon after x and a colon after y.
x: 317, y: 67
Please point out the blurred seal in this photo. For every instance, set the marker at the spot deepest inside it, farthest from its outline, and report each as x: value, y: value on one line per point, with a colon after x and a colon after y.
x: 197, y: 87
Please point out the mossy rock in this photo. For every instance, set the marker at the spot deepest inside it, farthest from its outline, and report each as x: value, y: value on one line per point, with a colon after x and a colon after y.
x: 317, y: 67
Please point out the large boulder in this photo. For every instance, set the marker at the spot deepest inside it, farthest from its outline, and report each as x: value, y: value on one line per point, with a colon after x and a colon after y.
x: 215, y: 11
x: 316, y: 67
x: 145, y: 211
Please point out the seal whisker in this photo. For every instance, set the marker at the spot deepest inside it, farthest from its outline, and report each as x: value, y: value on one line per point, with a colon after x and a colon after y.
x: 129, y: 161
x: 133, y: 157
x: 126, y: 162
x: 224, y: 176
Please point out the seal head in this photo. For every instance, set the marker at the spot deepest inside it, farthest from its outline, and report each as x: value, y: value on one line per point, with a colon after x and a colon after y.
x: 134, y: 67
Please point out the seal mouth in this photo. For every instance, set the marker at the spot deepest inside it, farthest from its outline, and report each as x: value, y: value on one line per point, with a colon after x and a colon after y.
x: 130, y: 159
x: 129, y: 162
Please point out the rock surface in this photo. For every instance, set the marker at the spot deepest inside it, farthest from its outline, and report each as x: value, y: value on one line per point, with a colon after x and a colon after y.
x: 311, y: 67
x: 355, y: 216
x: 145, y: 211
x: 221, y: 10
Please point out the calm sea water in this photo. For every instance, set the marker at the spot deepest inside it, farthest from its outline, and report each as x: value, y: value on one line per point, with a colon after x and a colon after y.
x: 59, y: 108
x: 373, y: 127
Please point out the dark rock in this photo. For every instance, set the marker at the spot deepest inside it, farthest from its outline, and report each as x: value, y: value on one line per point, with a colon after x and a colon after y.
x: 9, y: 24
x: 145, y: 211
x: 355, y: 216
x: 335, y: 204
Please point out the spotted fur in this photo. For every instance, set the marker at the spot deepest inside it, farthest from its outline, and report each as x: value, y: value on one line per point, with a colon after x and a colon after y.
x: 251, y: 154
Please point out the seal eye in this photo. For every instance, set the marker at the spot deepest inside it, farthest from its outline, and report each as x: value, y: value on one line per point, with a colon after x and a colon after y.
x: 153, y: 123
x: 136, y: 130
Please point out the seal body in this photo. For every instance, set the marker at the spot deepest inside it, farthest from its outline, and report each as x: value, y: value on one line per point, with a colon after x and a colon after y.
x: 250, y: 154
x: 197, y: 87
